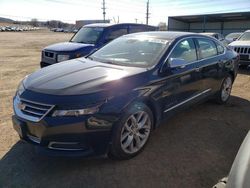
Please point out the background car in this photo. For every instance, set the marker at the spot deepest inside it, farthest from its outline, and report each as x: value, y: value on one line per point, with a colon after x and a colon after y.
x: 242, y: 47
x: 232, y: 37
x: 240, y: 171
x: 218, y: 36
x: 88, y: 39
x: 110, y: 101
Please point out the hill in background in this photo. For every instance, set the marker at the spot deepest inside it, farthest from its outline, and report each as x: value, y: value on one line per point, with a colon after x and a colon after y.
x: 6, y: 20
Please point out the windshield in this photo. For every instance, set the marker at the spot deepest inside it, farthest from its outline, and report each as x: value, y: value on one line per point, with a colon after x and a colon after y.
x: 128, y: 51
x: 87, y: 35
x: 245, y: 36
x: 233, y: 35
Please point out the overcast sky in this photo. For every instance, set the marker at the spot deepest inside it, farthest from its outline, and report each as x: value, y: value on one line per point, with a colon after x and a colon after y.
x: 127, y: 10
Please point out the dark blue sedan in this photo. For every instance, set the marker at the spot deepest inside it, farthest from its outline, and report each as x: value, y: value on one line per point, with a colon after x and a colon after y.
x: 110, y: 101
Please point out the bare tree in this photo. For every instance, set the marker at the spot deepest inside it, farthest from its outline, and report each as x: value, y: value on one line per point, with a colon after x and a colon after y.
x: 34, y: 22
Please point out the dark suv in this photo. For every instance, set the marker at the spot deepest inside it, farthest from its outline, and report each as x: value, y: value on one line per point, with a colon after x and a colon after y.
x: 110, y: 101
x: 88, y: 39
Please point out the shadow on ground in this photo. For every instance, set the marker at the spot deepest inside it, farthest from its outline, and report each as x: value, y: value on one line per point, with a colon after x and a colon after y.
x: 195, y: 148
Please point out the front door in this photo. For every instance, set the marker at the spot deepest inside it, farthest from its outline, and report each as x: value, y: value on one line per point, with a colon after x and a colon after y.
x: 182, y: 84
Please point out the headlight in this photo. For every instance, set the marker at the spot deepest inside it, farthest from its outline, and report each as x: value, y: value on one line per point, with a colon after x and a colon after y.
x: 20, y: 88
x: 231, y: 47
x: 76, y: 112
x: 62, y: 58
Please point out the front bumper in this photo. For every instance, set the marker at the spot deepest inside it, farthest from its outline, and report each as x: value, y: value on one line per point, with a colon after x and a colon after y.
x: 244, y: 59
x: 70, y: 138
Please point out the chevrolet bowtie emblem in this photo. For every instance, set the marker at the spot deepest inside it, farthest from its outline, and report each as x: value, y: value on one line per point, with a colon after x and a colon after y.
x: 21, y: 106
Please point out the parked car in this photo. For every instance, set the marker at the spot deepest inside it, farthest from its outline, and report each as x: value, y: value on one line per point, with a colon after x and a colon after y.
x: 232, y: 37
x: 240, y: 171
x: 87, y: 39
x: 110, y: 101
x: 242, y: 47
x: 75, y: 31
x: 218, y: 36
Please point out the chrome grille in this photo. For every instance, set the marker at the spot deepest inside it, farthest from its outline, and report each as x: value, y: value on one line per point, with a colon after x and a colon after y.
x: 31, y: 110
x: 242, y: 50
x: 34, y: 109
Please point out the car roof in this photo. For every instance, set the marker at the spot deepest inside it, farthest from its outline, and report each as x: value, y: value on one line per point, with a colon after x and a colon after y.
x: 110, y: 24
x: 208, y: 33
x: 167, y: 35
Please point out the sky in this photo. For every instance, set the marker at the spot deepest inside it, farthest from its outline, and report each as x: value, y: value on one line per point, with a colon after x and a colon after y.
x: 126, y: 10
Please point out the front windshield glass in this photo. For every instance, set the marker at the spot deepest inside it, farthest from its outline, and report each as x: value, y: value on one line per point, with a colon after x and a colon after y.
x: 245, y: 36
x: 233, y: 35
x: 87, y: 35
x: 139, y: 51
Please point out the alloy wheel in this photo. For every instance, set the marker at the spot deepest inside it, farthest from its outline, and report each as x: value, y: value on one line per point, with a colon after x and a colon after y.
x: 226, y: 89
x: 135, y: 132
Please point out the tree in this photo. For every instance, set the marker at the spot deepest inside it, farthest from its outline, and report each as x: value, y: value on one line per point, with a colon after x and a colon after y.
x: 34, y: 22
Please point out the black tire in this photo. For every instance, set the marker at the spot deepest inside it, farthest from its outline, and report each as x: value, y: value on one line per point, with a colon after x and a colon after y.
x: 219, y: 96
x: 116, y: 151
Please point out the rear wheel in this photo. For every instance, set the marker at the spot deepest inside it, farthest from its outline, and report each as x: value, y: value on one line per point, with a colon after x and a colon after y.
x: 225, y: 91
x: 131, y: 134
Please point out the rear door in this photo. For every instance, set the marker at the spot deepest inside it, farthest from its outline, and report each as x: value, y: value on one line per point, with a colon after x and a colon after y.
x: 211, y: 60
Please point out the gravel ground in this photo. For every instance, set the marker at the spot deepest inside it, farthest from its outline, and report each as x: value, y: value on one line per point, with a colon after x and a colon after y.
x: 193, y: 149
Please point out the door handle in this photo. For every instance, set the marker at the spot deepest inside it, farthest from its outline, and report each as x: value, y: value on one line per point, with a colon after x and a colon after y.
x: 197, y: 69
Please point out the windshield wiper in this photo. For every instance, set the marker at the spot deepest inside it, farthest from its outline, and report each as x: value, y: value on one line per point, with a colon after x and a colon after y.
x: 88, y: 57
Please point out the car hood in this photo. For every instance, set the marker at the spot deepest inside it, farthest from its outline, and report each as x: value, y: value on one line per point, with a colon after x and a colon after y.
x: 240, y: 43
x: 81, y: 76
x: 67, y: 46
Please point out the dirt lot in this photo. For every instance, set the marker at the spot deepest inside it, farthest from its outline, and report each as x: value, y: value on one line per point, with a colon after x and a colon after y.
x: 193, y: 149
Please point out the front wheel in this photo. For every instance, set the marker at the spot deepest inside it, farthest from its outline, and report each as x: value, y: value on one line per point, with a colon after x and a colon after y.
x: 131, y: 134
x: 224, y: 94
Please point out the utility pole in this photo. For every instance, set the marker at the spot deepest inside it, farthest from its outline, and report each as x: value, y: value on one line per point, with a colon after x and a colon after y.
x: 104, y: 10
x: 147, y: 12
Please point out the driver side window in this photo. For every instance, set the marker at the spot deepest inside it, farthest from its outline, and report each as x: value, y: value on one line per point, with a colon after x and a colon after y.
x: 185, y: 50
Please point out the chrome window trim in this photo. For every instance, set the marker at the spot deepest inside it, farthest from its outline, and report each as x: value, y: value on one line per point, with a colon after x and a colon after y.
x: 187, y: 100
x: 198, y: 60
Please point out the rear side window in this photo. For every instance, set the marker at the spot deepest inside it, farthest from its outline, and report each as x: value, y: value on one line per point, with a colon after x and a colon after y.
x: 220, y: 48
x: 115, y: 33
x: 207, y: 48
x: 185, y: 50
x: 136, y: 29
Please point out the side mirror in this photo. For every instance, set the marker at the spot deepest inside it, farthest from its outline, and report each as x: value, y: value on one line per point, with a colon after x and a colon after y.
x: 234, y: 39
x: 177, y: 62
